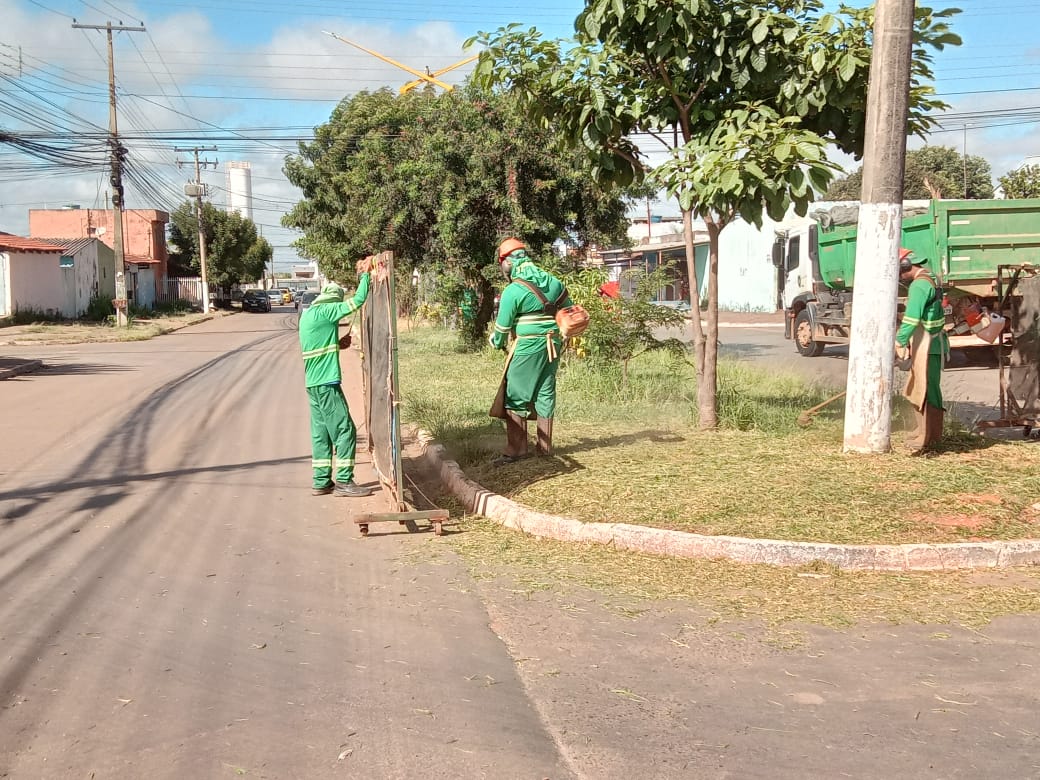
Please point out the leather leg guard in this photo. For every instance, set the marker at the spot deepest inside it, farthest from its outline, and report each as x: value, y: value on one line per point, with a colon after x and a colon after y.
x: 516, y: 435
x: 935, y: 425
x: 918, y: 438
x: 545, y: 430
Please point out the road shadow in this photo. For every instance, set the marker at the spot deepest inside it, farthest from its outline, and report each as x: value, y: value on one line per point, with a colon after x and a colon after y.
x: 80, y: 369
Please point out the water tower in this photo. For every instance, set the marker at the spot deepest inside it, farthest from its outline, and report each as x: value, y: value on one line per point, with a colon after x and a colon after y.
x: 240, y: 188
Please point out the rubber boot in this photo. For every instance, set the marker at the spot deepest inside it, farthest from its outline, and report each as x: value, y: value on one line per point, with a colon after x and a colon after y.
x: 544, y: 444
x: 516, y: 440
x: 918, y: 437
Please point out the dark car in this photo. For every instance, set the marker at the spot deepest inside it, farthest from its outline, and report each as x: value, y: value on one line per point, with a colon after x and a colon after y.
x: 256, y: 300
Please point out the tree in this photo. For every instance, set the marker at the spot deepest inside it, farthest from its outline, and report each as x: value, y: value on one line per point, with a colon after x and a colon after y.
x: 751, y: 92
x: 440, y: 179
x: 234, y: 251
x: 931, y: 172
x: 1022, y: 182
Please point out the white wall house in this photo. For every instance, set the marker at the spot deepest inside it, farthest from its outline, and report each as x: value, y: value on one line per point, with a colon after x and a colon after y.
x: 57, y: 276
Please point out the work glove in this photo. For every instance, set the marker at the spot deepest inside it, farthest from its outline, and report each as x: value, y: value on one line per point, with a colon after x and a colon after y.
x: 903, y: 362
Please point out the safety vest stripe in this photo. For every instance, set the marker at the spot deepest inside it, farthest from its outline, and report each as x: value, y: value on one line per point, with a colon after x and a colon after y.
x: 313, y: 353
x: 933, y: 323
x: 342, y: 464
x: 911, y: 321
x: 527, y: 319
x: 319, y: 464
x: 500, y: 329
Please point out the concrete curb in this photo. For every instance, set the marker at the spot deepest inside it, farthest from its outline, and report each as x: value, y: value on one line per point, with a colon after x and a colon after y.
x: 25, y: 368
x: 856, y: 557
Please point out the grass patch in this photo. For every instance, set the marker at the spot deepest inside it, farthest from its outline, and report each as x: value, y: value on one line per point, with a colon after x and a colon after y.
x: 631, y: 453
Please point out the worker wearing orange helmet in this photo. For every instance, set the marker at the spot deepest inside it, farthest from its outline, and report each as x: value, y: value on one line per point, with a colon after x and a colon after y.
x: 527, y: 312
x: 921, y: 340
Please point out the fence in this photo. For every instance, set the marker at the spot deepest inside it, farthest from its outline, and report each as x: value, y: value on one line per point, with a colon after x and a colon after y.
x: 382, y: 400
x: 186, y: 288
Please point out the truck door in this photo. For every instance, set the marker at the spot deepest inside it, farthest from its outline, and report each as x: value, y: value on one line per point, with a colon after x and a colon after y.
x: 795, y: 280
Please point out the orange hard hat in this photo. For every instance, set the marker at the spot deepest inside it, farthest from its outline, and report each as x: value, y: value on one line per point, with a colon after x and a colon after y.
x: 509, y: 246
x: 904, y: 253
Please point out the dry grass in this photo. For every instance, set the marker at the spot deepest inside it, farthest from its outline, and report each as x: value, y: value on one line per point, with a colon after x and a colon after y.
x: 633, y: 455
x: 774, y: 595
x: 89, y: 332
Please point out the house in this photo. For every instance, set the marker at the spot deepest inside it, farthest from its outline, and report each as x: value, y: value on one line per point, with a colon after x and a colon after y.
x: 144, y: 240
x: 88, y: 271
x: 31, y: 276
x: 55, y: 276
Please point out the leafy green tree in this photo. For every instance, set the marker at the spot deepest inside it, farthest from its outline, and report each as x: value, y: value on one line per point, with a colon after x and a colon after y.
x: 235, y: 253
x: 931, y: 172
x: 621, y: 329
x: 440, y: 179
x: 751, y: 92
x: 1022, y: 182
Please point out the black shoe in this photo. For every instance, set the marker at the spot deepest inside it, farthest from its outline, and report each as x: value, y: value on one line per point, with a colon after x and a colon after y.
x: 322, y: 491
x: 351, y: 490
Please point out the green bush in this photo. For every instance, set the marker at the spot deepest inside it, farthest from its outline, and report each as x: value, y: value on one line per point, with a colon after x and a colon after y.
x: 170, y: 308
x: 31, y: 316
x: 99, y: 309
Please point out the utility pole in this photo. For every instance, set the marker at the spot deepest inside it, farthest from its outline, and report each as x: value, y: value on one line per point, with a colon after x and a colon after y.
x: 198, y: 189
x: 868, y: 402
x: 118, y: 157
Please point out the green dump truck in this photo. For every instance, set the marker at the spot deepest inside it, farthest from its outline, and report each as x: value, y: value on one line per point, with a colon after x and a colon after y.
x: 963, y: 241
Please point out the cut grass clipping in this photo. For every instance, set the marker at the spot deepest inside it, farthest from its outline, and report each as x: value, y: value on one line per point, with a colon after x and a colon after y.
x: 631, y: 452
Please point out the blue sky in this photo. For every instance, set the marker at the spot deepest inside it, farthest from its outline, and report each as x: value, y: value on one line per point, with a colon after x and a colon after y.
x: 251, y: 75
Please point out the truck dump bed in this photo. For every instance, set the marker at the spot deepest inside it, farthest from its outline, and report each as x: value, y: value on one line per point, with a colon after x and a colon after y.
x: 963, y: 242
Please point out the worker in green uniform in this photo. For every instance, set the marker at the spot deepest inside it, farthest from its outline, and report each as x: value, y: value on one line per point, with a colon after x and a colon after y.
x: 922, y: 340
x: 530, y: 375
x: 468, y: 304
x: 331, y: 425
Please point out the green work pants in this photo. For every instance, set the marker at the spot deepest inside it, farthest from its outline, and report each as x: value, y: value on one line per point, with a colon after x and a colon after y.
x: 531, y: 380
x: 933, y: 388
x: 331, y: 427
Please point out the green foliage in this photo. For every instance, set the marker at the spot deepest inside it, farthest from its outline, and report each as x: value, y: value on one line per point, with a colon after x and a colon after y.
x: 31, y: 316
x: 939, y: 169
x: 440, y: 179
x: 1022, y: 182
x: 235, y: 252
x: 622, y: 328
x: 99, y: 309
x: 168, y: 308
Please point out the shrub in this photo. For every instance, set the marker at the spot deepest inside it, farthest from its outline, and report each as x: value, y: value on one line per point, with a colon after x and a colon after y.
x: 99, y: 309
x: 31, y: 316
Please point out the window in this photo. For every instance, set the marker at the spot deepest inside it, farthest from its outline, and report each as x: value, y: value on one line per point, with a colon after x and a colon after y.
x: 794, y: 252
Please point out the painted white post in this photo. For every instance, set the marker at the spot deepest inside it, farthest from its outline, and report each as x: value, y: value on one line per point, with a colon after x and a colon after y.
x: 868, y: 401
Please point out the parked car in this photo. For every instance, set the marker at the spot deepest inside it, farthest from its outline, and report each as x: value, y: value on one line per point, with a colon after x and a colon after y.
x: 255, y: 300
x: 305, y: 301
x: 275, y: 296
x: 286, y: 294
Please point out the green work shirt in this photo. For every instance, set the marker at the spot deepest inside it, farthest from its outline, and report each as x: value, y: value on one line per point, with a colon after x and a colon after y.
x: 923, y: 308
x: 319, y: 336
x: 521, y: 313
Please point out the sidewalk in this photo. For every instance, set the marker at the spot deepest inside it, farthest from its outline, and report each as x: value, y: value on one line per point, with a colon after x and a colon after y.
x: 749, y: 319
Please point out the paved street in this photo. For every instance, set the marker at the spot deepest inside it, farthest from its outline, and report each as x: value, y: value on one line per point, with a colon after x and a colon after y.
x: 174, y: 604
x: 970, y: 384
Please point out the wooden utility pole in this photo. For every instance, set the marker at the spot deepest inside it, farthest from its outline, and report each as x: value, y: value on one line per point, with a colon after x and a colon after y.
x: 118, y: 156
x: 198, y: 189
x: 868, y: 403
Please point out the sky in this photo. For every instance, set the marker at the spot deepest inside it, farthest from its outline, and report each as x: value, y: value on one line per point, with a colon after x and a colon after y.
x: 253, y: 77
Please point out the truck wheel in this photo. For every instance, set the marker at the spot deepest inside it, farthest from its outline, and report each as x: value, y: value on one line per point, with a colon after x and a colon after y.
x: 803, y: 336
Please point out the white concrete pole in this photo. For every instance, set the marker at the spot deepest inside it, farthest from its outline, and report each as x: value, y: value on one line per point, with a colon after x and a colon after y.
x: 868, y: 402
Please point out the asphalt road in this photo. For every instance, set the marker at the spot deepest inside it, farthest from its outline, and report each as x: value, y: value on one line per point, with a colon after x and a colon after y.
x: 971, y: 385
x: 175, y: 604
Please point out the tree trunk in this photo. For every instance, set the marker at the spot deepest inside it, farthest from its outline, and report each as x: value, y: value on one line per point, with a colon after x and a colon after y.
x: 695, y: 292
x: 707, y: 380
